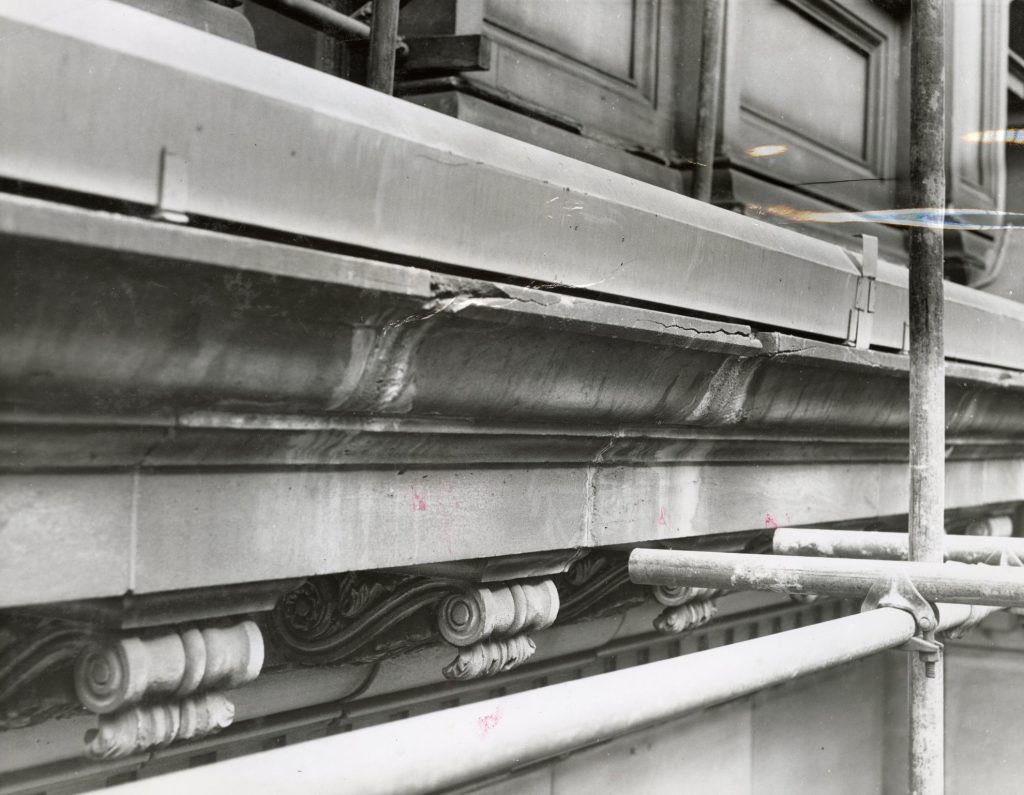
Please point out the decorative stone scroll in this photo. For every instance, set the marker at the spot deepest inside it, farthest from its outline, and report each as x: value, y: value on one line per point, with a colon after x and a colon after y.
x: 112, y: 675
x: 139, y: 728
x: 503, y: 610
x: 358, y: 617
x: 685, y: 617
x: 598, y: 585
x: 675, y: 595
x: 490, y: 657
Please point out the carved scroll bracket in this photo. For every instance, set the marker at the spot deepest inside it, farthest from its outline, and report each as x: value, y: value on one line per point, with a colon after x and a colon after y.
x: 116, y: 674
x: 490, y: 657
x: 685, y: 617
x: 357, y: 617
x: 675, y: 595
x: 142, y: 727
x: 489, y: 624
x: 503, y: 611
x: 685, y: 608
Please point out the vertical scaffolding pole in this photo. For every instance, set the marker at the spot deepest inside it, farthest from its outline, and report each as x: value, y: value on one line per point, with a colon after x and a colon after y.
x: 710, y: 89
x: 383, y: 40
x: 927, y: 371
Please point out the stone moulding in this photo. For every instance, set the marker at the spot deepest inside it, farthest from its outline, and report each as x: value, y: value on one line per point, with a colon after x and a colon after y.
x: 307, y: 386
x: 504, y: 206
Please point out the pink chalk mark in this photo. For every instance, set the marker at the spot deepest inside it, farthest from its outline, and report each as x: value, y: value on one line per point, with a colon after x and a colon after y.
x: 662, y: 517
x: 489, y: 721
x: 769, y: 521
x: 418, y: 503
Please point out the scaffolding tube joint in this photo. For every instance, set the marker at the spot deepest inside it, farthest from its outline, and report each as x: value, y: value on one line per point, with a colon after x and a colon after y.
x: 899, y: 592
x: 1008, y: 557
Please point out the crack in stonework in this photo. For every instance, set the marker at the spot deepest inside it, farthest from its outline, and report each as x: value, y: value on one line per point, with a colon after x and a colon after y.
x: 803, y: 349
x: 462, y: 292
x: 161, y: 439
x: 565, y: 286
x: 433, y: 308
x: 855, y: 356
x: 725, y: 395
x: 590, y: 489
x: 702, y: 332
x: 522, y: 300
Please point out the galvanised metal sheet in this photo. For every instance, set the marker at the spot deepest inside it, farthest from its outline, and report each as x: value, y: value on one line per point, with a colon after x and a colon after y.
x: 95, y: 92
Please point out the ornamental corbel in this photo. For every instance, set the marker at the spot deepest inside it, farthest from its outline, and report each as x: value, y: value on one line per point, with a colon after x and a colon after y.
x: 490, y: 624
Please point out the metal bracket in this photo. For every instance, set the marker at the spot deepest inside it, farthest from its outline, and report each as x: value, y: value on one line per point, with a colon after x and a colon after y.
x: 862, y: 316
x: 978, y: 614
x: 974, y: 617
x: 899, y: 592
x: 930, y: 651
x: 172, y: 193
x: 1008, y: 558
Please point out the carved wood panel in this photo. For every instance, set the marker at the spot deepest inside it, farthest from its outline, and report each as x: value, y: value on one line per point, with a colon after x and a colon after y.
x: 815, y: 77
x: 598, y: 64
x: 601, y: 36
x: 976, y: 101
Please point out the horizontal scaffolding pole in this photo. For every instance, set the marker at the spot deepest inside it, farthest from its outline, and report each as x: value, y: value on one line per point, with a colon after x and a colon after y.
x: 957, y: 583
x: 454, y: 746
x: 319, y: 17
x: 888, y: 546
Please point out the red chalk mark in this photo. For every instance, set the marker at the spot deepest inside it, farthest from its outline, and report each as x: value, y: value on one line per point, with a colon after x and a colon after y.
x: 662, y: 517
x: 769, y: 521
x: 489, y: 721
x: 418, y: 503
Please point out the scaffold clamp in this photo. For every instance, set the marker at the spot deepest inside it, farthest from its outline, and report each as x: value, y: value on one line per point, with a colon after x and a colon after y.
x: 900, y: 592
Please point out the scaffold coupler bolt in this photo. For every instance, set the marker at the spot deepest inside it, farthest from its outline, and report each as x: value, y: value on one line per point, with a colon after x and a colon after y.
x: 899, y: 592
